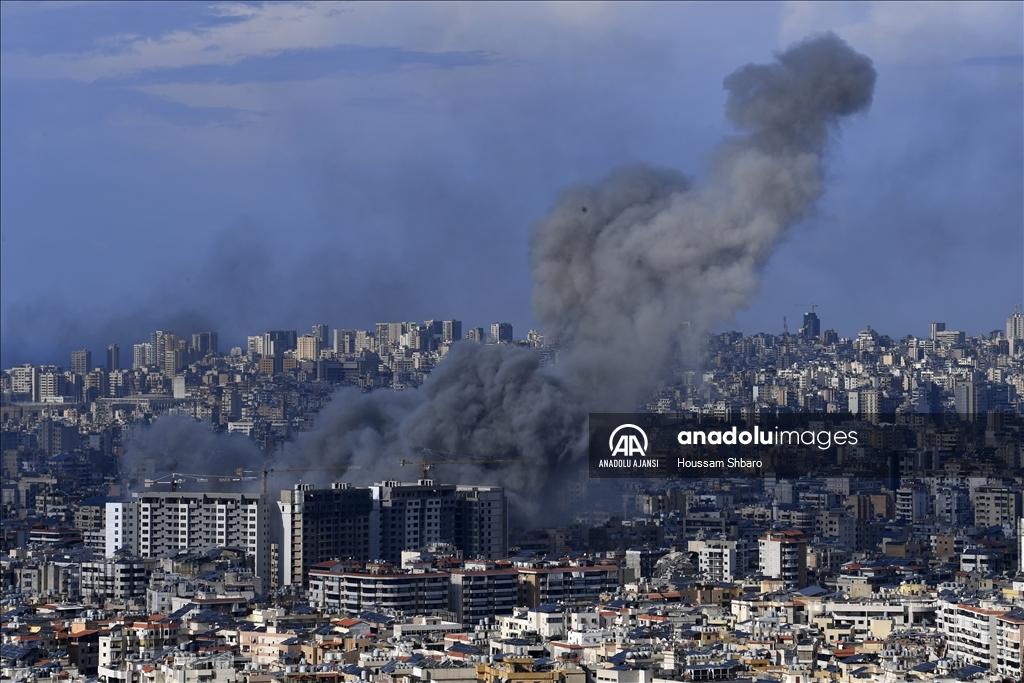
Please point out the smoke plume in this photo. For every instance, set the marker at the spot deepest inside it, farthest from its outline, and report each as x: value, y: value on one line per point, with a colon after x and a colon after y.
x: 619, y: 267
x: 623, y: 272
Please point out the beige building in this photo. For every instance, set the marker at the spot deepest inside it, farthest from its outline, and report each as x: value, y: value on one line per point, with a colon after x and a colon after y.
x: 307, y: 347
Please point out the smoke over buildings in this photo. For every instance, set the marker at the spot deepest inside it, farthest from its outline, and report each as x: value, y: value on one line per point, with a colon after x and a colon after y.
x: 624, y: 272
x: 618, y: 268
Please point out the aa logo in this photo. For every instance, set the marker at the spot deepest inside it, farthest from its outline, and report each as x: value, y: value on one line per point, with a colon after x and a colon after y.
x: 628, y: 440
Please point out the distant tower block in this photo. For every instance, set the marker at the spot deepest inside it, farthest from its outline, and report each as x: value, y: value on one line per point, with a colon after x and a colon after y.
x: 451, y: 331
x: 501, y: 333
x: 81, y: 362
x: 812, y: 326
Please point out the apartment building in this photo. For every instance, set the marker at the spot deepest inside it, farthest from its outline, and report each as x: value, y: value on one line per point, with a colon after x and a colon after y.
x: 332, y: 586
x: 320, y: 525
x: 482, y: 591
x: 783, y: 555
x: 164, y: 523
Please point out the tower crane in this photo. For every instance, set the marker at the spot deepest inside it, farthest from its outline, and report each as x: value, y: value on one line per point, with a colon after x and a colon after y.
x: 336, y: 468
x: 430, y: 458
x: 240, y: 475
x: 175, y: 478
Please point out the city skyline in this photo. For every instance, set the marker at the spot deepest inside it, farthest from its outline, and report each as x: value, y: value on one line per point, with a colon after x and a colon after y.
x: 511, y: 342
x: 178, y: 191
x: 792, y: 325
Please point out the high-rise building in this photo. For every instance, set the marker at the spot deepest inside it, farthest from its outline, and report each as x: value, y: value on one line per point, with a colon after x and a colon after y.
x: 275, y: 343
x: 307, y: 347
x: 158, y: 340
x: 475, y: 334
x: 986, y: 636
x: 381, y: 521
x: 25, y: 382
x: 119, y: 383
x: 720, y: 559
x: 383, y: 338
x: 451, y: 331
x: 344, y: 342
x: 415, y: 338
x: 431, y: 334
x: 254, y: 344
x: 935, y: 329
x: 321, y: 525
x: 501, y: 333
x: 122, y: 528
x: 996, y: 506
x: 481, y: 591
x: 56, y: 437
x: 95, y: 385
x: 52, y: 383
x: 142, y: 356
x: 171, y: 521
x: 1015, y: 332
x: 783, y: 555
x: 812, y: 326
x: 913, y: 502
x: 122, y: 578
x: 204, y: 343
x: 971, y: 399
x: 113, y: 358
x: 81, y: 361
x: 414, y: 515
x: 365, y: 341
x: 1015, y: 326
x: 173, y: 358
x: 322, y: 331
x: 953, y: 505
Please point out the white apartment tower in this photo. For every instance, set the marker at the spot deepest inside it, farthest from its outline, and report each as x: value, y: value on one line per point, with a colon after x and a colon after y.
x: 783, y: 555
x: 720, y: 559
x: 122, y: 528
x: 171, y: 521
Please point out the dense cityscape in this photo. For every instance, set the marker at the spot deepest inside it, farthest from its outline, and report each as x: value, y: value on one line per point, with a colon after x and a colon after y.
x: 216, y: 468
x: 117, y: 569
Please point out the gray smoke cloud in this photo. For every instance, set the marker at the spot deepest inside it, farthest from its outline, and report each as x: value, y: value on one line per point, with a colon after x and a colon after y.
x: 494, y: 402
x: 619, y: 268
x: 181, y: 445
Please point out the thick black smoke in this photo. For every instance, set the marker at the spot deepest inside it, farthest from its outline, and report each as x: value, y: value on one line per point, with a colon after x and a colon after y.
x: 623, y: 272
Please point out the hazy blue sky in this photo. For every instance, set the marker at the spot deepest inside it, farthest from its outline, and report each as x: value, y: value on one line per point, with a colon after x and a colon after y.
x: 249, y: 167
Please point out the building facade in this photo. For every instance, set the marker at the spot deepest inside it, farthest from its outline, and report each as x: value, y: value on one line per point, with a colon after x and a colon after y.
x: 320, y: 525
x: 167, y: 522
x: 783, y: 555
